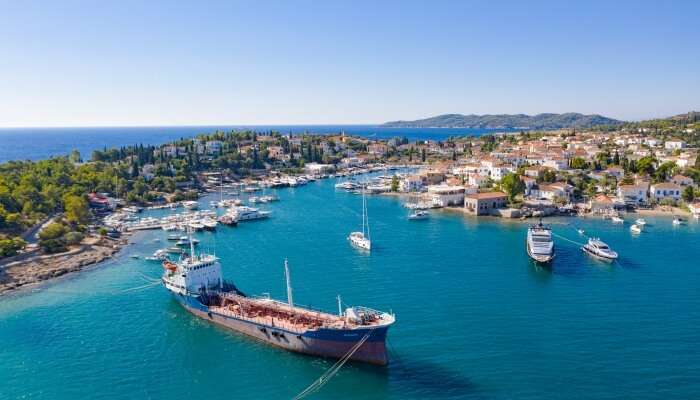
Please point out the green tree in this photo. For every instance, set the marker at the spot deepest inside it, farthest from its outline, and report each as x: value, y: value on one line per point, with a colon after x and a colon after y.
x: 579, y: 163
x: 77, y: 209
x: 688, y: 194
x: 394, y: 183
x: 9, y: 246
x: 74, y: 156
x: 512, y: 185
x: 646, y: 165
x: 51, y: 238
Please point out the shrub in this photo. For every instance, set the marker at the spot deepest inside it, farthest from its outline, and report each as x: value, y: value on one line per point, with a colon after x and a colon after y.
x: 10, y: 246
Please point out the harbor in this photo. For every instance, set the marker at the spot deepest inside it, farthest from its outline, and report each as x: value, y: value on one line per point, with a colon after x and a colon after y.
x: 469, y: 323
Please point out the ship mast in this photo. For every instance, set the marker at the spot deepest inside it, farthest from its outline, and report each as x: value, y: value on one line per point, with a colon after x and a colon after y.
x: 288, y: 278
x: 189, y: 234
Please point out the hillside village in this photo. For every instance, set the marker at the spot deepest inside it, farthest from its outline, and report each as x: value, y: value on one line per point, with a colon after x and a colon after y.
x: 651, y: 166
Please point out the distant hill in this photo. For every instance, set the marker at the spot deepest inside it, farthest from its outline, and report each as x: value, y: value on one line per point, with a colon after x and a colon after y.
x: 539, y: 121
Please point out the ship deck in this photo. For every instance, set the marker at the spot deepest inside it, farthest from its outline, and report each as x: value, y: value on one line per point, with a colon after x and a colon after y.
x: 273, y: 313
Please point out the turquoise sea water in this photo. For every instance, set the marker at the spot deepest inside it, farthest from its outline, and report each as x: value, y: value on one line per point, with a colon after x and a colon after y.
x: 41, y: 143
x: 475, y: 319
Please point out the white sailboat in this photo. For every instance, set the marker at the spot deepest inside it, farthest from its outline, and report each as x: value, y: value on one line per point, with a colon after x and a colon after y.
x: 362, y: 239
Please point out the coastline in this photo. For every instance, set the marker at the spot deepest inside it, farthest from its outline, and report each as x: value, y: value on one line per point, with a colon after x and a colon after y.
x: 32, y: 269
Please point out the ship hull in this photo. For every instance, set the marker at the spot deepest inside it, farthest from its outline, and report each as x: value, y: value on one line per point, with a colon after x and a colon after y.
x: 322, y: 342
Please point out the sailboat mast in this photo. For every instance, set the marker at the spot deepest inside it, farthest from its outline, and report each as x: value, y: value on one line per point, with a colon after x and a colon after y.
x: 289, y: 283
x: 364, y: 207
x: 365, y: 217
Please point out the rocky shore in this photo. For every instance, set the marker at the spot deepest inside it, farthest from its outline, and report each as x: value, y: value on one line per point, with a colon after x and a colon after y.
x: 33, y: 268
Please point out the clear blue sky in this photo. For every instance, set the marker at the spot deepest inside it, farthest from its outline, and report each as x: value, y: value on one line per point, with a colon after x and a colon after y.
x: 75, y: 63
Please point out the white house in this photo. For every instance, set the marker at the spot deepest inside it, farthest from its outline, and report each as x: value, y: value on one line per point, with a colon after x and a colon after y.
x: 446, y: 195
x: 633, y: 194
x: 665, y: 190
x: 557, y: 163
x: 411, y: 183
x: 558, y: 189
x: 674, y: 144
x: 213, y: 146
x: 682, y: 180
x: 316, y: 168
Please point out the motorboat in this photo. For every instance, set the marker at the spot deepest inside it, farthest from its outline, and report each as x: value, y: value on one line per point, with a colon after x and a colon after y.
x: 581, y: 232
x: 598, y: 249
x: 616, y: 219
x: 678, y: 221
x: 209, y: 224
x: 640, y: 221
x: 196, y: 226
x: 174, y: 250
x: 169, y: 227
x: 540, y: 246
x: 228, y: 219
x: 636, y: 229
x: 173, y: 237
x: 158, y: 255
x: 245, y: 213
x: 418, y: 215
x: 185, y: 241
x: 190, y: 204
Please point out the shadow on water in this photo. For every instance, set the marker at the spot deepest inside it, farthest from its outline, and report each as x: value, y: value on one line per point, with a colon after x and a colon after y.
x: 418, y: 377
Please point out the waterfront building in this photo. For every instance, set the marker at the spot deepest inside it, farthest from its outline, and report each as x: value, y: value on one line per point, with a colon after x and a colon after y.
x: 484, y: 203
x: 636, y: 194
x: 601, y: 204
x: 316, y: 168
x: 555, y: 190
x: 411, y: 183
x: 446, y: 195
x: 665, y: 191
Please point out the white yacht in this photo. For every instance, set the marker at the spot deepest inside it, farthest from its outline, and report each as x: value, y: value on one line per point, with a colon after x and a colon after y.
x: 190, y: 204
x: 598, y: 249
x: 678, y: 221
x: 362, y: 239
x: 540, y: 246
x: 636, y: 229
x: 617, y: 219
x: 159, y: 255
x: 245, y: 213
x: 419, y: 214
x: 640, y: 221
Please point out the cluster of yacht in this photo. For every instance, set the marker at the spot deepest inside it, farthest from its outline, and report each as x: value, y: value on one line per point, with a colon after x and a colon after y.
x: 540, y: 245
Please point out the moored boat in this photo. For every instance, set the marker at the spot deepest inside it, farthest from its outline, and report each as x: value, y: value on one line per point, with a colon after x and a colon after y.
x: 540, y: 246
x: 600, y: 250
x: 361, y: 239
x: 636, y: 229
x: 418, y: 215
x: 356, y: 332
